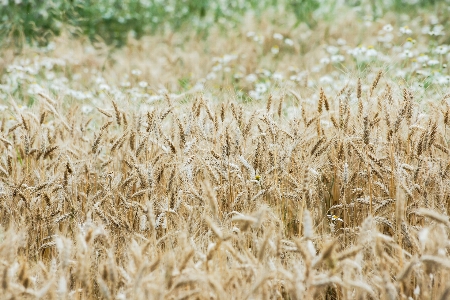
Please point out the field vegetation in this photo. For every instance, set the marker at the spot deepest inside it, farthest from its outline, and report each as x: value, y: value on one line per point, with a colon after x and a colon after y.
x: 225, y: 150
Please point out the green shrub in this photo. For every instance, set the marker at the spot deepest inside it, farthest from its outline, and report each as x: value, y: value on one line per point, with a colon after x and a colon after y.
x: 36, y: 22
x: 33, y: 21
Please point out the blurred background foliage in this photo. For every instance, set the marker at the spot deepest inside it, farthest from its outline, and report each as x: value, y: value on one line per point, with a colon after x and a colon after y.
x: 112, y: 21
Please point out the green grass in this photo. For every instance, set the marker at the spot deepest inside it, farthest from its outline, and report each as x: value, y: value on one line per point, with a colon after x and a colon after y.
x: 112, y: 21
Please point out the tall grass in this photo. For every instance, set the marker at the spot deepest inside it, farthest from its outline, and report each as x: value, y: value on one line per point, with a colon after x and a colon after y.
x: 198, y: 199
x: 310, y: 189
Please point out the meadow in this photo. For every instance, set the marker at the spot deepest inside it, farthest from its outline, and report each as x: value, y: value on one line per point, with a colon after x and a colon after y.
x: 249, y: 151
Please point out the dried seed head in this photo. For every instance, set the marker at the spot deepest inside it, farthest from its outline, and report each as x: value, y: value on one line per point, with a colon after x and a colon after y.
x: 133, y: 140
x: 96, y: 143
x: 118, y: 114
x: 375, y: 82
x: 358, y: 95
x: 307, y: 225
x: 446, y: 118
x: 118, y: 142
x: 366, y: 130
x: 143, y: 223
x: 280, y: 106
x: 25, y: 123
x: 358, y: 89
x: 167, y: 97
x: 27, y: 144
x: 125, y: 121
x: 42, y: 118
x: 23, y: 274
x: 269, y: 103
x: 181, y: 132
x: 5, y: 280
x: 321, y: 101
x: 105, y: 126
x: 104, y: 112
x: 432, y: 135
x: 89, y: 235
x: 171, y: 145
x: 222, y: 112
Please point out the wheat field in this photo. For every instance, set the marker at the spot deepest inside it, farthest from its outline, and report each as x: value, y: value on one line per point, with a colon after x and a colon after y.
x: 179, y: 168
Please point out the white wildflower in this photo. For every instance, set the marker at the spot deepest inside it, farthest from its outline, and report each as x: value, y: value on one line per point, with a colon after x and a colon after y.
x: 405, y: 30
x: 251, y: 77
x: 143, y: 84
x: 433, y: 62
x: 371, y: 52
x: 260, y: 88
x: 341, y: 42
x: 325, y: 61
x: 442, y: 49
x: 278, y: 36
x: 422, y: 58
x: 275, y: 50
x: 211, y: 76
x: 104, y: 87
x: 337, y: 58
x: 217, y: 68
x: 289, y: 42
x: 86, y: 109
x: 332, y: 50
x: 388, y: 28
x: 277, y: 76
x: 136, y: 72
x: 255, y: 95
